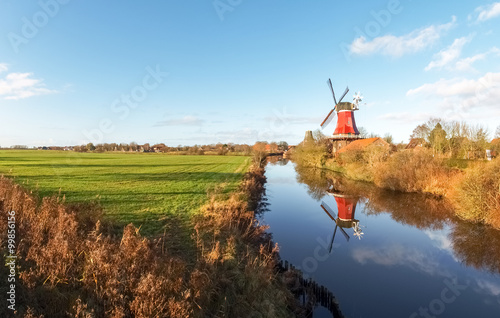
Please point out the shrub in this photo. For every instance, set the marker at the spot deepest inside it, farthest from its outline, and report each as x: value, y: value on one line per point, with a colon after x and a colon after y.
x: 477, y: 193
x: 361, y: 164
x: 413, y: 171
x: 313, y: 154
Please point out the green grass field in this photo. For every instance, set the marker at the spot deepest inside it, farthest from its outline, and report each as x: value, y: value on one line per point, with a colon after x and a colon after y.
x: 144, y: 188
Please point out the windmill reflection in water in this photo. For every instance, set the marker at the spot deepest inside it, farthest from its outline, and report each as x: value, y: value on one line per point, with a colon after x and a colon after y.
x: 346, y: 207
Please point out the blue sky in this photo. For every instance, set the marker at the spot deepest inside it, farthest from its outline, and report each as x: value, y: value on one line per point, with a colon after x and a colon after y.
x: 196, y: 72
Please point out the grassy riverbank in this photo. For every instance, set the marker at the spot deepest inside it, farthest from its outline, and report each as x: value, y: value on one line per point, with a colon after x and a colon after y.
x: 71, y: 261
x: 473, y: 187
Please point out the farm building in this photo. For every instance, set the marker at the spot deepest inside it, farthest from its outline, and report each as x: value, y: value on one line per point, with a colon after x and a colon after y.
x: 416, y: 143
x: 362, y: 144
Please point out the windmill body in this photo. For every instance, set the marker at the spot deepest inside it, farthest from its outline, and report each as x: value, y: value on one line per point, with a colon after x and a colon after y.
x: 346, y: 124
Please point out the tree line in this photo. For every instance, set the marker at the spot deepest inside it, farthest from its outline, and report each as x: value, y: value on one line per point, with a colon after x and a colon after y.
x: 218, y: 149
x: 455, y: 139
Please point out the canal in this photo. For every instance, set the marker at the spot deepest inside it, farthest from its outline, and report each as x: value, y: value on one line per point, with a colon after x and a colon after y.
x: 392, y: 254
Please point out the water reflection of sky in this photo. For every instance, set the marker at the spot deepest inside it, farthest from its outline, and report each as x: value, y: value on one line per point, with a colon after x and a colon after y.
x: 393, y: 271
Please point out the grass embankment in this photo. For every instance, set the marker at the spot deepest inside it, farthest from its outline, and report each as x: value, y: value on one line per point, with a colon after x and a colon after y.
x: 473, y: 187
x: 70, y: 263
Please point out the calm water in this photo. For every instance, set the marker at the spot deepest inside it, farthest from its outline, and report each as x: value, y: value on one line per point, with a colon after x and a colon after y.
x: 414, y: 258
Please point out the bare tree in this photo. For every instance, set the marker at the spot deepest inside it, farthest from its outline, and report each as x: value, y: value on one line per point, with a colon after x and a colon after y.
x: 259, y: 152
x: 388, y: 138
x: 133, y: 146
x: 421, y: 131
x: 363, y: 133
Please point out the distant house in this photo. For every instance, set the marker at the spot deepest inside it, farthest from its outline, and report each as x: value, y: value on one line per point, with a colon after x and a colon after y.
x: 362, y: 144
x: 416, y: 143
x: 158, y: 147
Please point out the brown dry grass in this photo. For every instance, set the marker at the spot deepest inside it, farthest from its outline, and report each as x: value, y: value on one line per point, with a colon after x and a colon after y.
x: 235, y: 275
x: 66, y: 268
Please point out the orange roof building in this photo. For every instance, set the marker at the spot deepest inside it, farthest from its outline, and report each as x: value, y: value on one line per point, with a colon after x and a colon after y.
x: 362, y: 144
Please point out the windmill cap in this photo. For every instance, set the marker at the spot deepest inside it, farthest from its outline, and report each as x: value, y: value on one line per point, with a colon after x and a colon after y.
x: 345, y: 106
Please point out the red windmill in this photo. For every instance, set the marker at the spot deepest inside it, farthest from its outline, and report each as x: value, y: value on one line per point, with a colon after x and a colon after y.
x: 346, y: 130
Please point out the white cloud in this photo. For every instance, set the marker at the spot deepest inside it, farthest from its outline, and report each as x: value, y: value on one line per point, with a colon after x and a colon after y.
x: 445, y: 88
x: 287, y: 119
x: 17, y: 86
x: 461, y: 87
x: 465, y: 64
x: 397, y: 46
x: 448, y: 55
x: 488, y: 287
x: 456, y: 98
x: 486, y: 12
x: 3, y: 67
x: 184, y: 121
x: 406, y: 117
x: 399, y: 255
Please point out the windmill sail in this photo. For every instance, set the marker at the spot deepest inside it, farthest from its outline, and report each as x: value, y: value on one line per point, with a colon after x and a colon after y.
x: 328, y: 210
x: 345, y: 234
x: 328, y: 119
x: 345, y: 93
x: 329, y: 82
x: 333, y: 238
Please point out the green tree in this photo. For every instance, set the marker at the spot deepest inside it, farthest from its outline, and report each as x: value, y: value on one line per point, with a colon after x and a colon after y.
x: 479, y: 141
x: 90, y: 146
x: 282, y: 145
x: 437, y: 139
